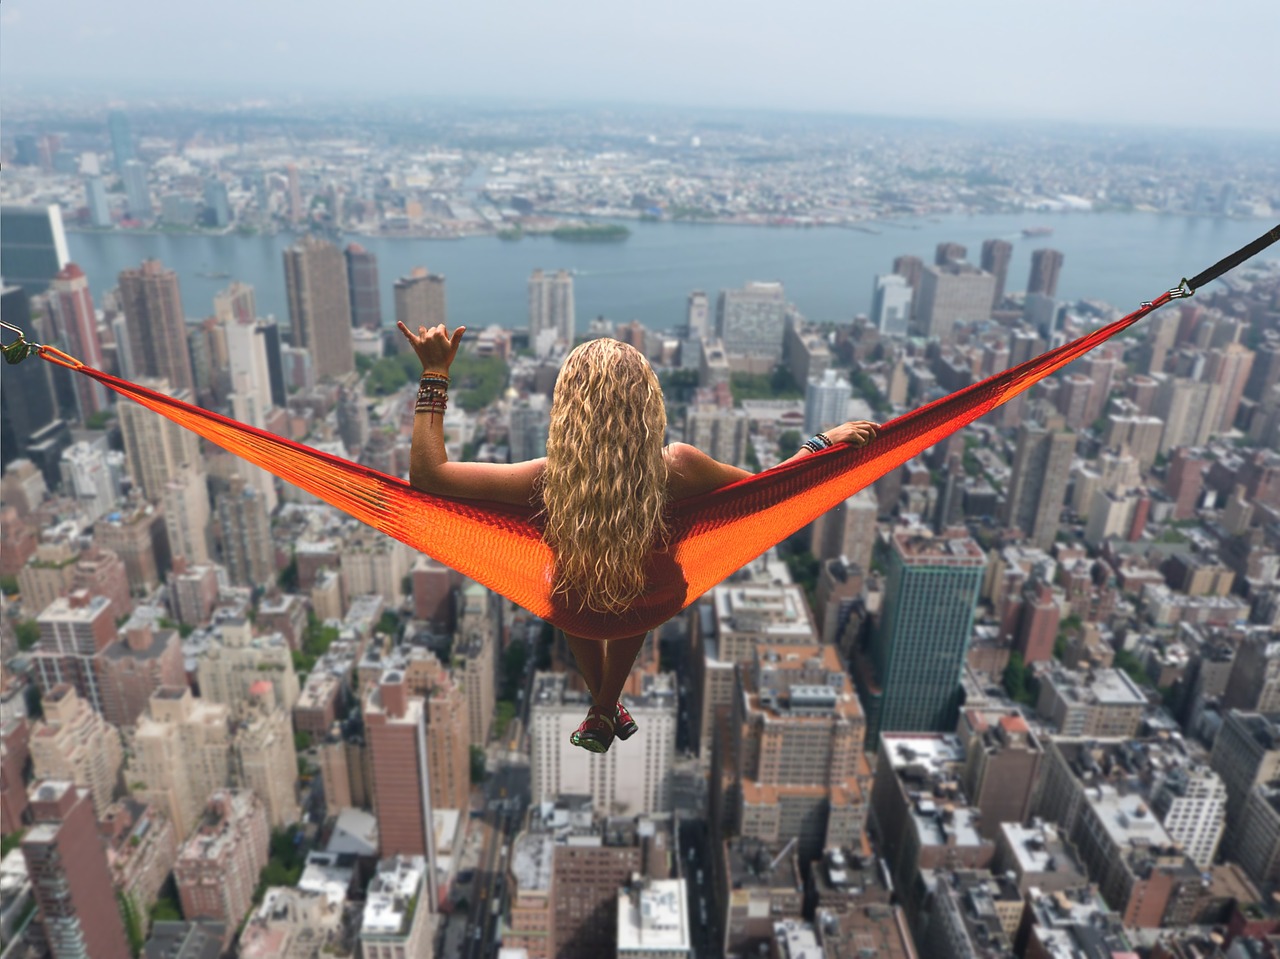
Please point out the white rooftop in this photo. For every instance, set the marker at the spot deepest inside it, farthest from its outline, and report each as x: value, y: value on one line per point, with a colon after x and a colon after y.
x: 386, y: 907
x: 654, y: 918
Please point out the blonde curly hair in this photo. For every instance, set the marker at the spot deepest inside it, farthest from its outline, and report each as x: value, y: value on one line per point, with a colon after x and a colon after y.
x: 604, y: 489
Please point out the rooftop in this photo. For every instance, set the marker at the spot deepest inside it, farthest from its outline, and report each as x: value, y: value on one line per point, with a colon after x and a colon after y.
x: 392, y: 896
x: 653, y: 917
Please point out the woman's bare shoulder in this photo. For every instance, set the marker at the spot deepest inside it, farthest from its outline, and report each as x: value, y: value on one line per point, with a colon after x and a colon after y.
x: 692, y: 472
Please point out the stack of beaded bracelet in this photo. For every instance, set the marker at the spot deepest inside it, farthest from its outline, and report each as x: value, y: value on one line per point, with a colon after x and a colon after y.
x: 817, y: 443
x: 433, y: 394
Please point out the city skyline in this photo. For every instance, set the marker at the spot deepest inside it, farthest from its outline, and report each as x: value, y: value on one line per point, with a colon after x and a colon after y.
x: 1000, y: 63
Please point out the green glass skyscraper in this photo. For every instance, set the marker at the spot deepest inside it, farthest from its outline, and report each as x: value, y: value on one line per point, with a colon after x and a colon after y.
x: 918, y: 652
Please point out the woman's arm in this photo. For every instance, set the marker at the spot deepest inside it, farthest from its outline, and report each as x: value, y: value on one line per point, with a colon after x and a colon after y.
x: 693, y: 472
x: 429, y: 466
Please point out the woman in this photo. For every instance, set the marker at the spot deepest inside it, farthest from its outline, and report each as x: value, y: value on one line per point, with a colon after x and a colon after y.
x: 603, y: 489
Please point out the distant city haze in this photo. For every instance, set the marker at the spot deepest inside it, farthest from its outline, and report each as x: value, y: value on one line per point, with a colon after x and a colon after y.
x: 828, y: 273
x: 1179, y: 63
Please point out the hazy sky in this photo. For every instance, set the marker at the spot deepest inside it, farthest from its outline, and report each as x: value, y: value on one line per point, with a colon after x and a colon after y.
x: 1173, y: 62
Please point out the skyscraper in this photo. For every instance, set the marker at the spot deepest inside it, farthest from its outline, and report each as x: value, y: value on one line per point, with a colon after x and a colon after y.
x: 28, y: 411
x: 33, y: 246
x: 121, y: 138
x: 219, y: 864
x: 1046, y: 265
x: 750, y: 321
x: 95, y: 198
x: 216, y: 204
x: 697, y: 315
x: 395, y: 728
x: 74, y: 742
x: 1038, y: 486
x: 319, y: 305
x: 152, y: 304
x: 951, y: 294
x: 919, y: 650
x: 996, y: 255
x: 475, y: 655
x: 419, y: 301
x: 891, y: 304
x: 70, y: 879
x: 245, y: 521
x: 946, y: 253
x: 137, y: 190
x: 296, y: 213
x: 362, y: 285
x: 72, y: 307
x: 551, y: 311
x: 826, y: 402
x: 74, y: 630
x: 265, y: 758
x: 155, y: 449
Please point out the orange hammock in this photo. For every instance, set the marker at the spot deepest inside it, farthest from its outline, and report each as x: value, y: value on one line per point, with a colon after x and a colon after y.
x: 712, y: 535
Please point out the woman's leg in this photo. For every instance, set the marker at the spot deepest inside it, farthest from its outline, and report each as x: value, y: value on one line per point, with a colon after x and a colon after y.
x: 620, y: 655
x: 589, y: 654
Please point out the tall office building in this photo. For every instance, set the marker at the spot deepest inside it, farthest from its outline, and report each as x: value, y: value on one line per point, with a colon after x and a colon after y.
x: 319, y: 305
x: 122, y: 149
x: 635, y: 782
x: 826, y: 402
x: 949, y: 253
x: 750, y: 321
x: 1191, y: 411
x: 996, y: 255
x: 76, y: 743
x: 1046, y: 266
x: 698, y: 315
x: 420, y: 300
x: 362, y: 286
x: 33, y: 246
x: 847, y: 530
x: 185, y: 497
x: 70, y: 878
x: 152, y: 303
x: 239, y: 655
x: 296, y: 212
x: 476, y: 657
x: 137, y: 190
x: 395, y: 729
x: 72, y: 307
x: 1038, y: 486
x: 951, y: 294
x: 796, y: 750
x: 74, y: 630
x: 28, y: 409
x: 1229, y: 367
x: 156, y: 450
x: 95, y: 198
x: 217, y: 205
x: 219, y: 865
x: 265, y: 759
x: 248, y: 552
x: 181, y: 754
x: 448, y: 745
x: 891, y: 304
x: 918, y: 652
x: 552, y: 318
x: 912, y: 269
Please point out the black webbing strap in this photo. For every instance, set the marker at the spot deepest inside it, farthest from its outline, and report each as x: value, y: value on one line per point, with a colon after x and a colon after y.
x: 1235, y: 259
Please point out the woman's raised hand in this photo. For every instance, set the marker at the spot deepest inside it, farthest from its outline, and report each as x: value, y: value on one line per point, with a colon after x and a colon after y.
x: 435, y: 347
x: 856, y: 432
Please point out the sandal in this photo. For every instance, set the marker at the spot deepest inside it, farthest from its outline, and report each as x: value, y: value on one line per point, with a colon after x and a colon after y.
x: 624, y: 726
x: 595, y: 735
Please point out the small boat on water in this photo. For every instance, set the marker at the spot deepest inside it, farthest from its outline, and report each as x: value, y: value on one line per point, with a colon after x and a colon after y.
x: 214, y: 276
x: 1037, y: 231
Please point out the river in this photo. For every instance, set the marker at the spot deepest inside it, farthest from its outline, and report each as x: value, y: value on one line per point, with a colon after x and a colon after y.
x: 1121, y: 258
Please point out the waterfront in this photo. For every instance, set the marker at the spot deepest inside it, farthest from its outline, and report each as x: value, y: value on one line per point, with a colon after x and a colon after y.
x: 1121, y: 258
